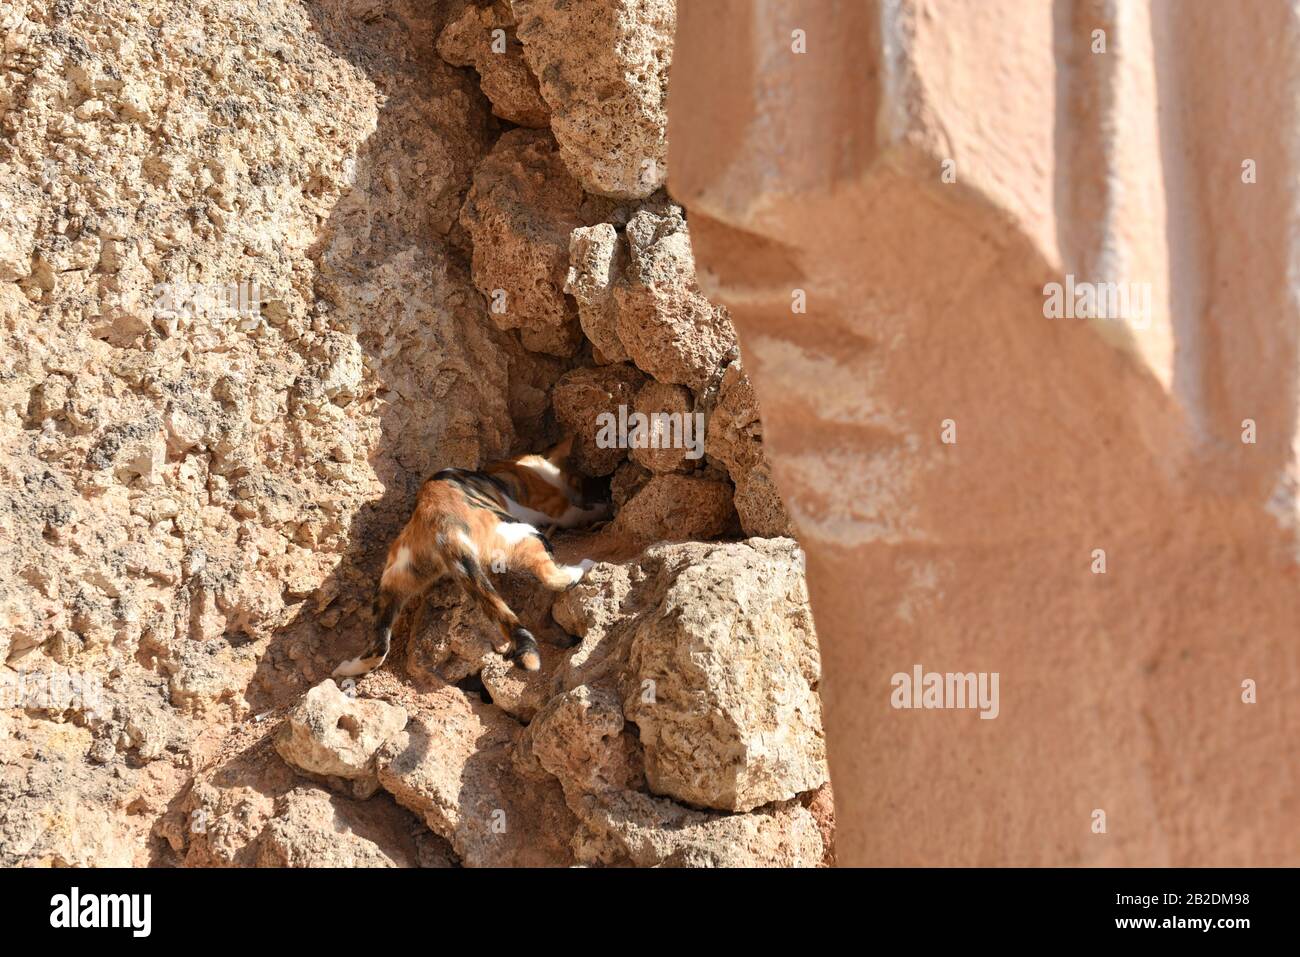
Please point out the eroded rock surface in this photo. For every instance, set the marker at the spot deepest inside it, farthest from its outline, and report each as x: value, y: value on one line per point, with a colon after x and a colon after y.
x: 336, y: 736
x: 603, y: 70
x: 581, y: 398
x: 522, y: 208
x: 735, y: 438
x: 452, y: 766
x: 264, y: 268
x: 718, y: 666
x: 484, y: 37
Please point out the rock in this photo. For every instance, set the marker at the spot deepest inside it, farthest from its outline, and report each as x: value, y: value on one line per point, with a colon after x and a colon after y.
x: 587, y: 398
x: 716, y: 658
x: 472, y: 39
x: 247, y: 271
x: 672, y: 507
x: 18, y: 221
x: 603, y: 70
x: 452, y: 766
x: 520, y: 212
x: 61, y: 811
x: 334, y: 735
x: 732, y: 720
x: 343, y: 374
x: 821, y: 805
x: 758, y: 503
x: 597, y: 260
x: 674, y: 438
x: 734, y: 436
x: 629, y: 478
x: 638, y: 299
x: 306, y: 830
x: 629, y: 828
x: 519, y: 693
x: 669, y: 329
x: 452, y: 640
x: 579, y: 737
x: 598, y: 610
x: 190, y: 493
x: 253, y: 811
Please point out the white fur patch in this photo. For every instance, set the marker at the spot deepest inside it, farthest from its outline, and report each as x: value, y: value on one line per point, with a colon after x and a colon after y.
x: 468, y: 543
x: 576, y: 572
x: 351, y: 668
x: 547, y: 471
x: 401, y: 561
x: 526, y: 514
x: 512, y: 533
x: 582, y: 516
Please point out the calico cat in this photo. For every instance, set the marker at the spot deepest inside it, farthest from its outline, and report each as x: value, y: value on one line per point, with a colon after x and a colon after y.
x: 464, y: 520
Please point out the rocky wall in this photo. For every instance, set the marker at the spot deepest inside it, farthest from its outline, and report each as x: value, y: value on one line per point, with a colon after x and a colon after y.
x: 263, y: 269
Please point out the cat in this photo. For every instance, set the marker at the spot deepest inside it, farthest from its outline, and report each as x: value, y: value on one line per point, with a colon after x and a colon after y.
x: 464, y: 519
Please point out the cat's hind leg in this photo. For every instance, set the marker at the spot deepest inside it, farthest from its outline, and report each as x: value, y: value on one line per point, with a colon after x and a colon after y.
x: 516, y: 640
x: 530, y: 551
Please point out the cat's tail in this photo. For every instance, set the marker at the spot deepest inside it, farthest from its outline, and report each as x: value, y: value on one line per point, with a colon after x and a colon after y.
x: 406, y: 571
x: 386, y: 607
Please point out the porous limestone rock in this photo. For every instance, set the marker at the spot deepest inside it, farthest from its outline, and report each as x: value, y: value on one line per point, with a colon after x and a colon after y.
x: 188, y: 495
x: 250, y: 809
x: 452, y: 766
x: 630, y: 828
x: 673, y: 508
x: 628, y: 479
x: 581, y: 398
x: 519, y: 214
x: 603, y: 70
x: 672, y: 442
x: 306, y: 830
x: 638, y: 298
x: 734, y: 436
x: 335, y: 735
x: 195, y: 499
x: 597, y: 259
x: 821, y: 805
x: 484, y: 37
x: 669, y: 329
x: 517, y: 692
x: 714, y: 652
x: 597, y: 610
x: 581, y: 739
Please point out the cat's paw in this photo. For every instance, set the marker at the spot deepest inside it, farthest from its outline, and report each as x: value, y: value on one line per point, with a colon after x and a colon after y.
x: 576, y: 572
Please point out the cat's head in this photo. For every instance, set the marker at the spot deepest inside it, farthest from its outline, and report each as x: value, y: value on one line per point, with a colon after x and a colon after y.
x: 585, y: 491
x: 560, y: 453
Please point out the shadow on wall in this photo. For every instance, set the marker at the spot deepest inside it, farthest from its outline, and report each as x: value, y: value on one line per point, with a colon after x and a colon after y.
x: 406, y: 365
x: 393, y: 284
